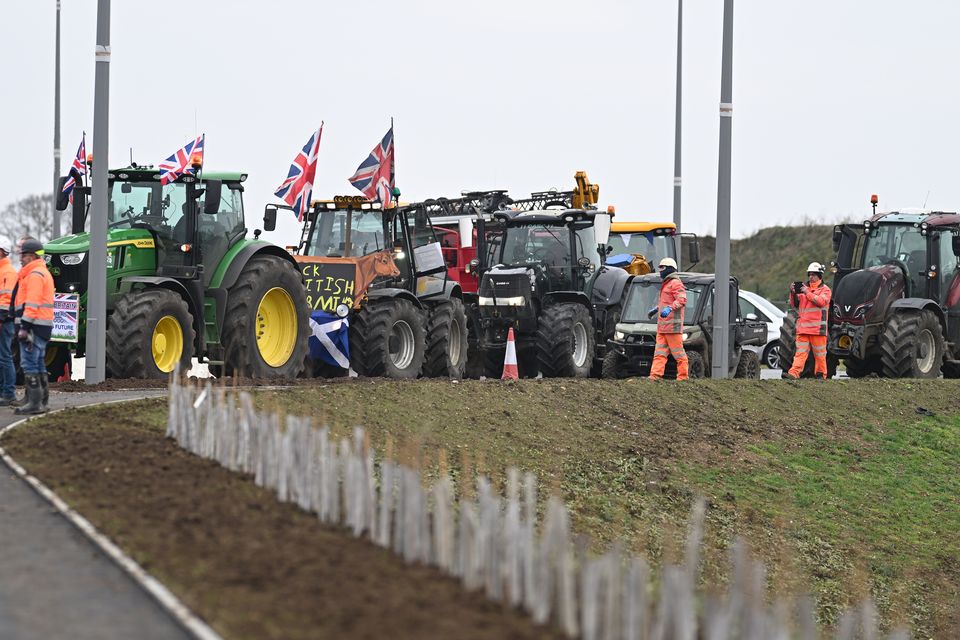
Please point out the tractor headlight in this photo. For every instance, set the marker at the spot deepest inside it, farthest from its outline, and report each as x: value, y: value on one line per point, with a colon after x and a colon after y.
x: 343, y: 310
x: 71, y: 259
x: 686, y: 337
x: 618, y: 335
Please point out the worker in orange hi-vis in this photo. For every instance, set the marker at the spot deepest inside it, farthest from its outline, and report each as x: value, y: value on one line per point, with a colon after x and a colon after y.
x: 812, y: 300
x: 669, y: 312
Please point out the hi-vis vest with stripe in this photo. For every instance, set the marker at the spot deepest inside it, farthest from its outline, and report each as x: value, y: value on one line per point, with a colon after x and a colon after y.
x: 8, y: 282
x: 34, y: 303
x: 813, y: 310
x: 674, y: 295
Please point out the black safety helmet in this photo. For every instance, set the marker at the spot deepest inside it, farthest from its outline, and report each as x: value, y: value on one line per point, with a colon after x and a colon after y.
x: 32, y: 245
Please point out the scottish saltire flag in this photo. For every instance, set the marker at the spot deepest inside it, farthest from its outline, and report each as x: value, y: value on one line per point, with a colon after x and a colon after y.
x: 375, y: 175
x: 180, y: 162
x: 330, y: 341
x: 298, y: 186
x: 78, y: 169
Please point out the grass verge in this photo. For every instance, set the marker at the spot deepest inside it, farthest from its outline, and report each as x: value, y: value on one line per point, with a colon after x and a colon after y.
x: 842, y: 485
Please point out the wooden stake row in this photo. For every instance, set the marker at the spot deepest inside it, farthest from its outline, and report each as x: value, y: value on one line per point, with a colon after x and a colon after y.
x: 488, y: 541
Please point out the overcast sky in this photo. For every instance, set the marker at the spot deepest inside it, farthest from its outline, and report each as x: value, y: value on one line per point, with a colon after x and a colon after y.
x: 833, y: 100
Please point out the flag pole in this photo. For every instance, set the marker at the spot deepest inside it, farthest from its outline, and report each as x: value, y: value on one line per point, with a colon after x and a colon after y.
x: 393, y: 165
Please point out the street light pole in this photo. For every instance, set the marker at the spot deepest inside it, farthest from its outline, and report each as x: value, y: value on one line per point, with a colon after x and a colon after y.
x: 56, y: 132
x: 676, y: 146
x: 721, y: 306
x: 97, y: 268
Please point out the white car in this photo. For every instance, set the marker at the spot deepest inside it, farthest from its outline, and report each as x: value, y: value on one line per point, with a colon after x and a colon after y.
x: 764, y: 310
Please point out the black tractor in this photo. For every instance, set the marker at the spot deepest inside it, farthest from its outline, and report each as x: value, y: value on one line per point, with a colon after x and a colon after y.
x: 545, y: 277
x: 630, y: 350
x: 896, y: 296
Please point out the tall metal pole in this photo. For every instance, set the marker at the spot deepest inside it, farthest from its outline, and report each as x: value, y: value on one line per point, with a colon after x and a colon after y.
x: 676, y: 145
x: 56, y: 131
x: 97, y: 269
x: 721, y: 307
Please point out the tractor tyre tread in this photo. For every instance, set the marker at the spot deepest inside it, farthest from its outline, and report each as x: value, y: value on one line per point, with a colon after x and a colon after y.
x: 555, y: 340
x: 370, y: 330
x: 437, y: 362
x: 129, y: 335
x: 898, y: 344
x: 241, y: 354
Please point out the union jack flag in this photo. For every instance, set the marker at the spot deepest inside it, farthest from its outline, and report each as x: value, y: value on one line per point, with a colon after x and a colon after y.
x: 180, y: 162
x: 298, y: 185
x: 375, y: 175
x: 78, y: 169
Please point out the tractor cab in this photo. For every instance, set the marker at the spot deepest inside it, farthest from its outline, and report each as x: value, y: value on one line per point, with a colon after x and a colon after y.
x: 894, y: 273
x: 558, y: 250
x: 350, y: 248
x: 638, y: 247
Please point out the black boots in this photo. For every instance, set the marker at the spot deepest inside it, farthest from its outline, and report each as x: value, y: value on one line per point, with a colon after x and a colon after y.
x: 35, y: 389
x: 45, y: 384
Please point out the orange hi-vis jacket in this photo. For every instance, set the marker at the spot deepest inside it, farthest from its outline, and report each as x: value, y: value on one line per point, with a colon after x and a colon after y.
x: 813, y: 310
x: 34, y: 303
x: 674, y: 295
x: 8, y: 281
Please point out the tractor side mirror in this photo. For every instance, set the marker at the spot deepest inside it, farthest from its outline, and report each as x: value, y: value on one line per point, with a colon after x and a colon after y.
x: 955, y: 241
x: 752, y: 316
x: 126, y: 187
x: 63, y: 199
x: 270, y: 217
x: 601, y: 225
x: 837, y: 238
x: 211, y: 201
x: 79, y: 220
x: 693, y: 248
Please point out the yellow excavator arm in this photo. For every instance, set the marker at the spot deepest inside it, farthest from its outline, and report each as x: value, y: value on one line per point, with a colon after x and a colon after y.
x: 585, y: 194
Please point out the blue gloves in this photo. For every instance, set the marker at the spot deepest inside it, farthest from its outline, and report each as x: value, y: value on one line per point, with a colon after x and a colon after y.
x: 666, y: 312
x: 652, y: 312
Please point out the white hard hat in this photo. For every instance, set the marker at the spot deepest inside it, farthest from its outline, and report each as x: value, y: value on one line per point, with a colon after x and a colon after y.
x: 668, y: 262
x: 816, y: 267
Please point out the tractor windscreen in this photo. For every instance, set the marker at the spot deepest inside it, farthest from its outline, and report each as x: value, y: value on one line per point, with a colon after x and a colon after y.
x: 653, y: 247
x: 344, y: 233
x: 146, y: 204
x: 645, y: 294
x: 898, y: 244
x: 549, y: 245
x: 895, y: 242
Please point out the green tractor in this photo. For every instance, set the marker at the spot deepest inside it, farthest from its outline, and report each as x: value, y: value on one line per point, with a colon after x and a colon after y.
x: 183, y: 281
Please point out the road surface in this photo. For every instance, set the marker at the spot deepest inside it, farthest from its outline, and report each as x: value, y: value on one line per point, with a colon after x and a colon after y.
x: 54, y: 583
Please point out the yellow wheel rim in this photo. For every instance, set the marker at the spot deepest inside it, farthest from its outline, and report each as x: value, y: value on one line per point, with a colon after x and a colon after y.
x: 277, y: 327
x: 167, y: 344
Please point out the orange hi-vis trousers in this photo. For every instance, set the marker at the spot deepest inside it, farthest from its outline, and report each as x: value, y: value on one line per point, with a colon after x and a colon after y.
x: 804, y: 344
x: 669, y: 343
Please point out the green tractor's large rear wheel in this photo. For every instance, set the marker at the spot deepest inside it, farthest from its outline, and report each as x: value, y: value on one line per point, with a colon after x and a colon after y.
x: 266, y: 327
x: 149, y: 333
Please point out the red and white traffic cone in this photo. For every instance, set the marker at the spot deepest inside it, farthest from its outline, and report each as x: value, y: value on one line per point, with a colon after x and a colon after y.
x: 510, y: 371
